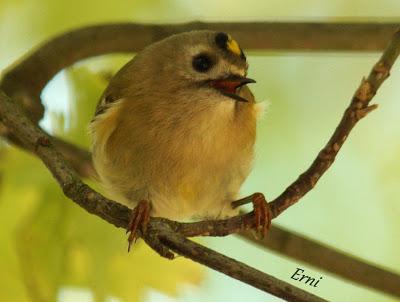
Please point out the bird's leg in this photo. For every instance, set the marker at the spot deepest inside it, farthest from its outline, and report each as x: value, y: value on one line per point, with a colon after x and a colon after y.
x: 140, y: 217
x: 262, y: 212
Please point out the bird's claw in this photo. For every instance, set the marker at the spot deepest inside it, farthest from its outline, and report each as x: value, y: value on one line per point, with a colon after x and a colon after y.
x: 262, y: 214
x: 140, y: 218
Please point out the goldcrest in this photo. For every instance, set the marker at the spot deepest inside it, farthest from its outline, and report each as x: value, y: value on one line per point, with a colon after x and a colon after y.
x: 176, y: 127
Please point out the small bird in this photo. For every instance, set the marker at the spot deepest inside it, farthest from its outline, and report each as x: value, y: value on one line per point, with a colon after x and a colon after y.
x: 173, y: 133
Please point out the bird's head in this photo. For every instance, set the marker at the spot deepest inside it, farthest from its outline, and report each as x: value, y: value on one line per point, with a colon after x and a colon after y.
x: 197, y: 64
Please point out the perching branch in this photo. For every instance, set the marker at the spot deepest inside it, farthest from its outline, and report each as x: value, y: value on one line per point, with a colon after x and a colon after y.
x: 160, y: 235
x: 118, y: 215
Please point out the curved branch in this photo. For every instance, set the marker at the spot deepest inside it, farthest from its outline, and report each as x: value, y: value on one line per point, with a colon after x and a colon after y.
x: 62, y: 51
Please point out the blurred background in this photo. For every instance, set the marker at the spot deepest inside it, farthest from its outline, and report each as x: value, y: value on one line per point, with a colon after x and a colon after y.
x: 51, y: 250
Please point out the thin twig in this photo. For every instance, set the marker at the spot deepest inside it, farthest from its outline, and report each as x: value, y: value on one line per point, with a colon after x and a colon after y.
x: 359, y: 107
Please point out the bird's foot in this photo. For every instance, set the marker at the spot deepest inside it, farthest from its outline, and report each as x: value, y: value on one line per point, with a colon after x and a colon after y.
x: 140, y: 218
x: 262, y: 212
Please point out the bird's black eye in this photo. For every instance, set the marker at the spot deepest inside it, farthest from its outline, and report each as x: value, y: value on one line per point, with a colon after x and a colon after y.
x: 202, y: 63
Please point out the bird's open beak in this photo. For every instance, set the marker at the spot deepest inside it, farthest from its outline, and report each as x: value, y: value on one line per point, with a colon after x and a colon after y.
x: 230, y: 86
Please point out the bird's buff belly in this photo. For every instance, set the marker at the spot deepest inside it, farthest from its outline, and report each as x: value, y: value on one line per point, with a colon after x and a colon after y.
x: 192, y: 198
x: 184, y: 196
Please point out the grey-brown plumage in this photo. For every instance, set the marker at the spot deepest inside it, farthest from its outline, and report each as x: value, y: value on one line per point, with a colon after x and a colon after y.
x: 176, y: 126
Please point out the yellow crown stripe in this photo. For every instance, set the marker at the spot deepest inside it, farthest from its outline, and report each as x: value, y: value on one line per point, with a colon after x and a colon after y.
x: 233, y: 46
